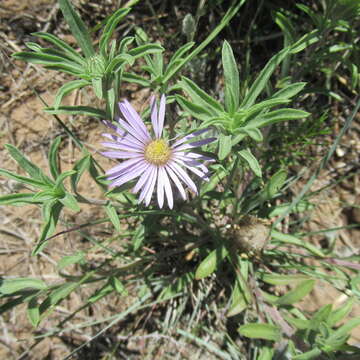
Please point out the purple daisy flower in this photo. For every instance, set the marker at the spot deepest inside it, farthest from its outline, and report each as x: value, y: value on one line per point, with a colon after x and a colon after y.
x: 151, y: 158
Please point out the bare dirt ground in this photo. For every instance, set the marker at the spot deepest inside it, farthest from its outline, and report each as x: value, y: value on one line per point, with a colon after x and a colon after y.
x: 25, y: 125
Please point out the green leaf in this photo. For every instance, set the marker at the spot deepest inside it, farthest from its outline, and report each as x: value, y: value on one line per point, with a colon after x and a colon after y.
x: 77, y: 27
x: 114, y: 217
x: 33, y: 312
x: 55, y: 62
x: 312, y: 354
x: 24, y: 180
x: 111, y: 101
x: 136, y: 79
x: 18, y: 199
x: 275, y: 116
x: 283, y: 208
x: 77, y: 110
x: 78, y: 257
x: 97, y: 85
x: 300, y: 324
x: 118, y: 62
x: 70, y: 202
x: 211, y: 263
x: 53, y: 158
x: 146, y: 49
x: 51, y: 213
x: 260, y: 331
x: 289, y: 91
x: 295, y: 295
x: 225, y: 146
x: 178, y: 55
x: 27, y: 165
x: 290, y: 239
x: 138, y: 237
x: 252, y: 162
x: 69, y: 51
x: 275, y: 184
x: 100, y: 293
x: 254, y: 133
x: 238, y: 301
x: 200, y: 97
x: 320, y: 317
x: 340, y: 313
x: 11, y: 286
x: 286, y: 26
x: 220, y: 174
x: 266, y: 354
x: 231, y: 77
x: 68, y: 88
x: 343, y: 331
x: 59, y: 181
x: 197, y: 111
x: 263, y: 78
x: 279, y: 279
x: 117, y: 285
x: 110, y: 26
x: 305, y: 41
x: 80, y: 167
x: 57, y: 295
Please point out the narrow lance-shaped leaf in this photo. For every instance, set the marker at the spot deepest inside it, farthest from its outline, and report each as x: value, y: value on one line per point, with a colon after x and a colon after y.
x: 62, y: 45
x: 231, y: 75
x: 176, y: 58
x: 53, y: 158
x: 290, y: 239
x: 211, y: 262
x: 252, y: 162
x: 338, y: 314
x: 225, y: 146
x: 288, y: 91
x: 77, y: 27
x: 11, y: 286
x: 146, y: 49
x: 68, y: 88
x: 114, y: 217
x: 275, y: 116
x: 54, y: 62
x: 69, y: 201
x: 296, y: 294
x: 24, y: 179
x: 18, y: 199
x: 110, y: 26
x: 261, y: 331
x: 27, y: 165
x: 78, y: 257
x: 80, y: 167
x: 33, y: 312
x: 199, y: 112
x: 51, y: 213
x: 263, y: 78
x: 77, y: 110
x: 200, y: 97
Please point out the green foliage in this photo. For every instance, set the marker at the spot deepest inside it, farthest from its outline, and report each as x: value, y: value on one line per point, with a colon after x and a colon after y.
x: 226, y: 252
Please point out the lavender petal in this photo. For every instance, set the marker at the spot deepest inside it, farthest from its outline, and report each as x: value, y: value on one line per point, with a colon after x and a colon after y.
x: 142, y: 180
x: 183, y: 176
x: 154, y: 116
x: 177, y: 182
x: 161, y: 116
x: 190, y: 136
x: 160, y: 187
x: 133, y: 118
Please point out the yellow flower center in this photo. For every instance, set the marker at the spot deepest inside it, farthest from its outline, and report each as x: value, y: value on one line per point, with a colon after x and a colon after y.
x: 157, y: 152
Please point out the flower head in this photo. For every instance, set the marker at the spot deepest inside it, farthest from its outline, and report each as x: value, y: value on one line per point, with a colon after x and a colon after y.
x: 152, y: 159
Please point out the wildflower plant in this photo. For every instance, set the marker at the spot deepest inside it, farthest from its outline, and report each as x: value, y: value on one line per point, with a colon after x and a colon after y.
x: 194, y: 159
